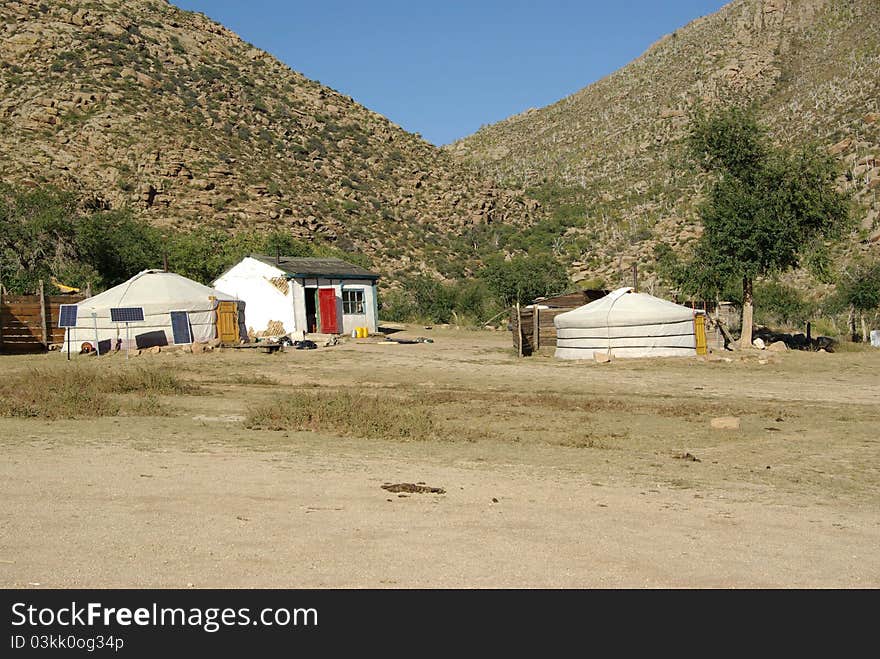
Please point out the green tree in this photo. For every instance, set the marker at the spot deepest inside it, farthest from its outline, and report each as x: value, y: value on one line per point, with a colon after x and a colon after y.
x: 523, y: 278
x: 116, y: 246
x: 766, y: 208
x: 860, y: 293
x: 36, y: 235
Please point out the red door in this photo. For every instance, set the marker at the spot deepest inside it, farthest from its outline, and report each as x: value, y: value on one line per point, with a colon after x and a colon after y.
x: 327, y: 303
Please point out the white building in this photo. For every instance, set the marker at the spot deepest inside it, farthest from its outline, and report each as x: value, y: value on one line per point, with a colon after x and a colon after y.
x: 297, y: 296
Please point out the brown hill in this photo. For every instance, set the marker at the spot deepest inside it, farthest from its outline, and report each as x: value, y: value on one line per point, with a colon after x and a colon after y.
x: 613, y: 151
x: 138, y: 103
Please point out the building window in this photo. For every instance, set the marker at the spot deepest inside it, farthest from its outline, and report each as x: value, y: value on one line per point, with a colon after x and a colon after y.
x: 353, y: 301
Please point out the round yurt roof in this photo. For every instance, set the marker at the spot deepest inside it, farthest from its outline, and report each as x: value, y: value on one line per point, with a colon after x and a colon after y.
x: 156, y: 289
x: 624, y: 307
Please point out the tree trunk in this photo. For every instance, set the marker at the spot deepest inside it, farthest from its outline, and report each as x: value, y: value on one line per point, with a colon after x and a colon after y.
x: 853, y: 335
x: 745, y: 338
x: 864, y: 327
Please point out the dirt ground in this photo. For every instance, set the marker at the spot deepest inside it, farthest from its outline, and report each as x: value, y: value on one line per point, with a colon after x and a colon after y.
x: 554, y: 474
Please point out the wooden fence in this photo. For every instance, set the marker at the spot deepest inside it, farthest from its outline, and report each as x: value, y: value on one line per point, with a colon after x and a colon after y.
x: 29, y: 323
x: 538, y: 330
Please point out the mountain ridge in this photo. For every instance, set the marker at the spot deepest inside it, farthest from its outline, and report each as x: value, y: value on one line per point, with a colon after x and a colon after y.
x: 811, y: 67
x: 140, y: 104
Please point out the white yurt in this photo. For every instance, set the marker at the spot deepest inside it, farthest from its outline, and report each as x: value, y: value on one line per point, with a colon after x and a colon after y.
x: 629, y: 324
x: 169, y: 301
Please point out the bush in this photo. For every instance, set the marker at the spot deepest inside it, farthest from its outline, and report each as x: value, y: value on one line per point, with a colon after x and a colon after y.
x: 345, y: 413
x: 80, y: 391
x: 428, y: 300
x: 524, y: 278
x: 778, y: 304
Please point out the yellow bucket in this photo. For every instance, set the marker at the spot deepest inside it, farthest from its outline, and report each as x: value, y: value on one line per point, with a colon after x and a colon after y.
x: 362, y: 332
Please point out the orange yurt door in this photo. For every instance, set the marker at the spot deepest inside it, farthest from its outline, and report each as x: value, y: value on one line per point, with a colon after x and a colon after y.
x: 700, y: 333
x: 227, y: 322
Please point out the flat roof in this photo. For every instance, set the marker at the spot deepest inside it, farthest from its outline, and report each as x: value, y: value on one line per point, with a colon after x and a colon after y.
x: 297, y: 266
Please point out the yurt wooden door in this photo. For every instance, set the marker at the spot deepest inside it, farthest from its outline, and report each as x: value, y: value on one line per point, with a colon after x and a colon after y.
x: 700, y: 334
x: 227, y: 322
x: 327, y: 304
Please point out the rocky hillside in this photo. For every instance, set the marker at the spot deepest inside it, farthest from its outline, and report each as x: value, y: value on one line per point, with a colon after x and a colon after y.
x: 138, y: 103
x: 613, y: 150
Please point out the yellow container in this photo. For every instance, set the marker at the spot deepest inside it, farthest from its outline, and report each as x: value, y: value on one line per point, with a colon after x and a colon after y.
x: 362, y: 332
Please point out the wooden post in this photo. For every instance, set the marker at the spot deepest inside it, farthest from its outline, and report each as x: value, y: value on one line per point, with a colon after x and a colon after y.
x: 89, y: 289
x: 44, y: 317
x: 536, y: 325
x: 519, y: 331
x: 636, y: 277
x: 2, y: 291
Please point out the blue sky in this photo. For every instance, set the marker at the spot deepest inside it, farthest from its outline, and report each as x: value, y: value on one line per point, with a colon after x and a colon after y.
x: 443, y: 68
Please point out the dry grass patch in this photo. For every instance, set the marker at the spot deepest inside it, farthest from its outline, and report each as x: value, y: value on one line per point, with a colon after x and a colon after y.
x: 346, y: 413
x: 258, y: 379
x: 79, y: 391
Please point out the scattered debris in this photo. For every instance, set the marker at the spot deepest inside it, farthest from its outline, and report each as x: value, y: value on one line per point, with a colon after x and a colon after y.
x: 494, y: 500
x: 759, y: 343
x: 412, y: 488
x: 796, y: 341
x: 601, y: 357
x: 419, y: 339
x: 305, y: 344
x: 686, y: 456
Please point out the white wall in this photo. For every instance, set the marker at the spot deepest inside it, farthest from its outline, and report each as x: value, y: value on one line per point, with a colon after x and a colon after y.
x: 250, y: 281
x: 349, y: 321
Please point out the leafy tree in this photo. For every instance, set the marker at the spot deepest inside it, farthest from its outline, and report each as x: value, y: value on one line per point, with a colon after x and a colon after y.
x: 36, y: 235
x: 116, y: 246
x: 766, y: 208
x: 523, y: 278
x: 860, y: 293
x: 780, y: 303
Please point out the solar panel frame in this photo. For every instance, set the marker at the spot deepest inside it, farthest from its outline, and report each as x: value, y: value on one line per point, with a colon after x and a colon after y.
x: 176, y: 328
x: 67, y: 315
x: 127, y: 314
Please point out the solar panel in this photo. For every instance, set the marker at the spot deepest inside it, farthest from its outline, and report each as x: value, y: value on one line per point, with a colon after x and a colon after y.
x: 180, y: 327
x: 127, y: 315
x: 67, y: 315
